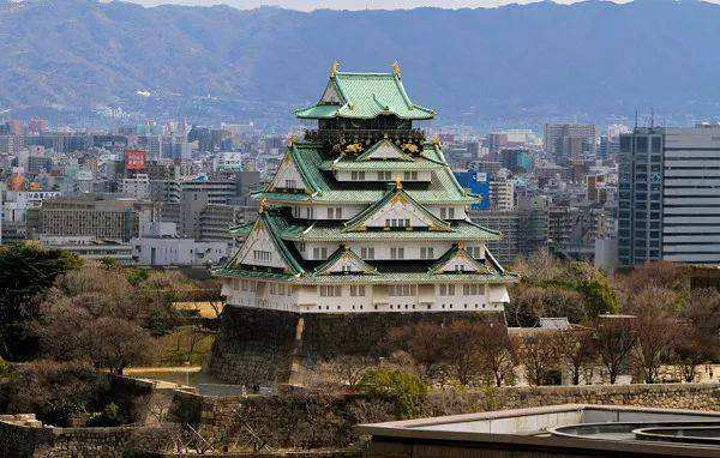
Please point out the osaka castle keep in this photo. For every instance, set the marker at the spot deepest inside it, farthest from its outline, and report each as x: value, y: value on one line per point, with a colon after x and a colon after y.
x: 364, y: 215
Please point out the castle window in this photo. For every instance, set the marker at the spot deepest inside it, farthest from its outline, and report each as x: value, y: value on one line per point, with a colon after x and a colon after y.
x: 357, y: 290
x: 410, y: 176
x: 367, y: 252
x: 290, y: 184
x: 261, y: 255
x: 397, y: 222
x: 384, y: 175
x: 471, y: 290
x: 447, y: 290
x: 357, y: 175
x: 397, y: 253
x: 402, y: 290
x: 330, y: 290
x: 427, y: 253
x: 334, y: 213
x: 320, y: 253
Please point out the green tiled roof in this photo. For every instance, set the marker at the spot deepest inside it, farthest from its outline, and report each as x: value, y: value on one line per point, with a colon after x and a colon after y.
x: 298, y: 231
x: 367, y: 155
x: 344, y: 250
x: 355, y: 223
x: 399, y: 166
x: 443, y: 187
x: 452, y: 253
x: 242, y: 229
x: 367, y: 96
x: 461, y: 231
x: 275, y: 226
x: 392, y: 278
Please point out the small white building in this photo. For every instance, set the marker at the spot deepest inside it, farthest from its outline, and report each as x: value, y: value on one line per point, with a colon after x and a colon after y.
x: 160, y: 246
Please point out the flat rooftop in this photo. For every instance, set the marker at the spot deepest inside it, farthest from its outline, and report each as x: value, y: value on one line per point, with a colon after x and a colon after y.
x: 562, y: 430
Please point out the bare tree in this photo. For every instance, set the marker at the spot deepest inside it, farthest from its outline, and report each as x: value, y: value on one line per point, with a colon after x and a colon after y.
x: 424, y: 342
x: 575, y: 350
x: 656, y: 328
x: 614, y: 338
x: 537, y: 352
x: 114, y: 344
x: 462, y: 341
x: 496, y: 351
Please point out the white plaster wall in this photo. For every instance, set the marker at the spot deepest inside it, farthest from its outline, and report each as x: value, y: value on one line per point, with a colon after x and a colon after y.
x: 287, y: 171
x: 371, y: 175
x: 306, y: 299
x: 260, y: 240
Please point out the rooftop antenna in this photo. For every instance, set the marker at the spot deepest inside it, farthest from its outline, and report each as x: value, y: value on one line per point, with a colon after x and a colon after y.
x: 652, y: 117
x: 636, y: 118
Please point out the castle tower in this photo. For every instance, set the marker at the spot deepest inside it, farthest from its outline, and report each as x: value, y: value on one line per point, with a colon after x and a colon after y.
x: 363, y: 217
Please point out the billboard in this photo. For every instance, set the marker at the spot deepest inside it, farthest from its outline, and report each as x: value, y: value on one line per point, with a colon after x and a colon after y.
x: 478, y: 183
x: 134, y: 159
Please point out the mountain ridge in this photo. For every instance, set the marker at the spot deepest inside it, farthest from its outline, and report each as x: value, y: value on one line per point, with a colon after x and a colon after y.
x: 591, y: 61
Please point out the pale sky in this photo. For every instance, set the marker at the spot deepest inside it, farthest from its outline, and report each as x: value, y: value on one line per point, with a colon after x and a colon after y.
x: 306, y: 5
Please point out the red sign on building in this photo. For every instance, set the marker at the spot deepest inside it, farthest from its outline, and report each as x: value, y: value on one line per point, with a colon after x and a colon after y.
x: 134, y: 159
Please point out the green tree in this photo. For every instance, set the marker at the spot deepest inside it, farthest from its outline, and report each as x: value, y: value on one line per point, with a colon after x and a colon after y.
x: 405, y: 391
x: 600, y: 297
x: 27, y: 271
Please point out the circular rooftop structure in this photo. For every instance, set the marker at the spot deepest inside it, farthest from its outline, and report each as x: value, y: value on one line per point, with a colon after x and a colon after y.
x: 688, y: 432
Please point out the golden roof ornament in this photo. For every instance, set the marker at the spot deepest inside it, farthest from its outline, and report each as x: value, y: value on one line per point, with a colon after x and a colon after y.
x: 262, y: 205
x: 435, y: 140
x: 353, y: 148
x: 396, y: 69
x: 334, y: 68
x: 398, y: 182
x: 292, y: 140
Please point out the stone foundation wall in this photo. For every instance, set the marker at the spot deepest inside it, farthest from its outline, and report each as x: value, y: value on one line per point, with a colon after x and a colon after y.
x: 256, y: 346
x: 21, y: 436
x: 670, y: 396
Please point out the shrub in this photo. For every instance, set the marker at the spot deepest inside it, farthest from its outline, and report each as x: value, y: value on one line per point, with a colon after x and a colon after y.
x: 405, y: 391
x: 55, y: 392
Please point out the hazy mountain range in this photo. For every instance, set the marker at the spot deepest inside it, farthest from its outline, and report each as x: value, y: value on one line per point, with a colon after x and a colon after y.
x: 591, y: 60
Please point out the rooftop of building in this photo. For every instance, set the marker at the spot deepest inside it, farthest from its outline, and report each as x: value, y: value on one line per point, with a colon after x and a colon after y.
x: 582, y: 429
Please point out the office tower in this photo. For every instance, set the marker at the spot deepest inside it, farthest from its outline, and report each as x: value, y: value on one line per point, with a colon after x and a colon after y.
x: 668, y: 198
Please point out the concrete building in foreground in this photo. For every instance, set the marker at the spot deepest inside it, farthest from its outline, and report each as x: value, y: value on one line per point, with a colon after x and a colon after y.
x: 669, y: 205
x: 569, y: 430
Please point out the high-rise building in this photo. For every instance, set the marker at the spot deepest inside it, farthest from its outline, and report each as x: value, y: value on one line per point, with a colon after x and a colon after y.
x: 566, y: 142
x: 365, y: 216
x: 524, y: 231
x: 668, y: 195
x: 90, y: 216
x: 502, y: 193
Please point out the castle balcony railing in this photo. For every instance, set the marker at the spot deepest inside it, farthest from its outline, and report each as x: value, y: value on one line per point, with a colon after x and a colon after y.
x: 367, y: 136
